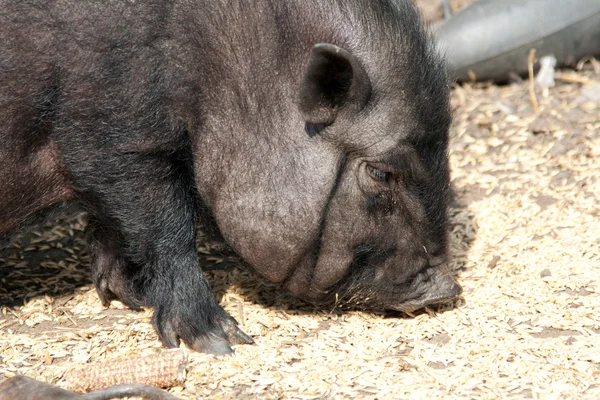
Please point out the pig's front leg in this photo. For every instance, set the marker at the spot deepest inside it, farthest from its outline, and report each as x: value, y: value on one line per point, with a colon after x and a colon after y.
x: 143, y: 216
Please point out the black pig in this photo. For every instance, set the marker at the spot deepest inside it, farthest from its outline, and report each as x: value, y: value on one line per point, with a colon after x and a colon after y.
x: 312, y: 133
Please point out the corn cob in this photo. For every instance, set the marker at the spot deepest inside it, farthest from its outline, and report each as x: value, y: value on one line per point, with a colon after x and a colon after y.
x: 165, y: 369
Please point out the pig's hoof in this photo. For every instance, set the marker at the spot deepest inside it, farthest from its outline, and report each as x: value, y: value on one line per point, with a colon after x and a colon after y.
x: 218, y: 341
x: 233, y: 333
x: 215, y: 339
x: 109, y: 290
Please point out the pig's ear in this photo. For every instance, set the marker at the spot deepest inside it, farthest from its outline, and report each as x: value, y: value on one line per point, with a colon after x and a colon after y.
x: 333, y: 80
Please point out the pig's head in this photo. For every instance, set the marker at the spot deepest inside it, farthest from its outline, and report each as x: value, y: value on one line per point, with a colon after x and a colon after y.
x: 332, y: 179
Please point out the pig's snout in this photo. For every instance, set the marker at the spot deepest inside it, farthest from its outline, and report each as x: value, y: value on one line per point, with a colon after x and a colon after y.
x: 440, y: 288
x: 446, y: 288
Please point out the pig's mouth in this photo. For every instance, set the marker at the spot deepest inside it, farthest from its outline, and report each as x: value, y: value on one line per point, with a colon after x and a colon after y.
x: 360, y: 289
x: 429, y: 288
x: 428, y: 300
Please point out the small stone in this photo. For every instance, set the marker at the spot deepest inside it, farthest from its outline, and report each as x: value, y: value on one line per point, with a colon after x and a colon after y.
x: 494, y: 262
x: 546, y: 272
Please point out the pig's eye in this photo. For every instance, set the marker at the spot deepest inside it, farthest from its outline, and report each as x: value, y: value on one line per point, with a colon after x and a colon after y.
x: 378, y: 174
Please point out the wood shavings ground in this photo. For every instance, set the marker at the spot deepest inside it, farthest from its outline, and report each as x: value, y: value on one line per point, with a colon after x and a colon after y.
x: 525, y: 237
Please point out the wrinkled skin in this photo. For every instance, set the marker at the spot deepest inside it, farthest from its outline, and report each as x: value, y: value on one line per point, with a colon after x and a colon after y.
x: 312, y: 136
